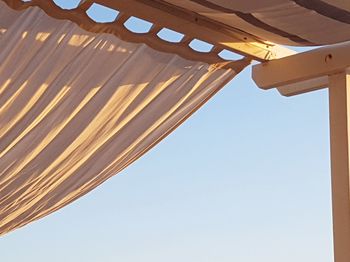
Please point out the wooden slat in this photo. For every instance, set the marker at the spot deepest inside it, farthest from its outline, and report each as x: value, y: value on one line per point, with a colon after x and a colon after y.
x: 197, y: 26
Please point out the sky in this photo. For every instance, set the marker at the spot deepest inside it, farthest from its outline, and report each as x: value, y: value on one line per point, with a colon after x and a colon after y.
x: 246, y: 178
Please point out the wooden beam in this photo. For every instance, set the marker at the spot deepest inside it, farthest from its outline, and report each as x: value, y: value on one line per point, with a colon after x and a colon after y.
x: 194, y: 25
x: 339, y: 104
x: 302, y: 67
x: 304, y: 86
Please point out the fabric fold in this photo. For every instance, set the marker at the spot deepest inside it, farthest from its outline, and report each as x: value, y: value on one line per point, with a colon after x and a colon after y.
x: 78, y: 107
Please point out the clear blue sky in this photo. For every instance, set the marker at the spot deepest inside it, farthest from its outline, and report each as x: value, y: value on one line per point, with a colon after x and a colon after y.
x: 246, y: 179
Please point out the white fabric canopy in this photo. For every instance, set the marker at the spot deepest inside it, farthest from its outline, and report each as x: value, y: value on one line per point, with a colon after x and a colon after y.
x: 77, y: 107
x: 290, y: 22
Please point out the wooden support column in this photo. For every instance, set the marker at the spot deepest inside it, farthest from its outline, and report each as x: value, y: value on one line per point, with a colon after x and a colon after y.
x: 308, y: 71
x: 339, y: 105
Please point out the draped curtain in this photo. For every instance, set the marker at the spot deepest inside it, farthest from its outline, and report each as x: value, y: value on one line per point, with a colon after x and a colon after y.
x: 77, y: 107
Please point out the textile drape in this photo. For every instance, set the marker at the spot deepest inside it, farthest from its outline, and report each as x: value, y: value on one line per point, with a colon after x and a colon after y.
x: 77, y: 107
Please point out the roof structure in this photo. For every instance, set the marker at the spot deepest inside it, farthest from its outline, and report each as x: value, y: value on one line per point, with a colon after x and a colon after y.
x: 79, y: 100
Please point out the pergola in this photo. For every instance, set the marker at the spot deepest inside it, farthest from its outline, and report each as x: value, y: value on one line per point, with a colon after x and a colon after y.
x: 59, y: 140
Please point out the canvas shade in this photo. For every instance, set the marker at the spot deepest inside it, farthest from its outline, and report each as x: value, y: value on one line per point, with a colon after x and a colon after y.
x: 256, y: 29
x: 77, y: 107
x: 290, y: 22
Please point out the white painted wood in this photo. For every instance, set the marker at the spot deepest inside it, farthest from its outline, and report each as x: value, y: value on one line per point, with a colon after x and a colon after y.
x: 302, y: 67
x: 304, y: 86
x: 339, y: 104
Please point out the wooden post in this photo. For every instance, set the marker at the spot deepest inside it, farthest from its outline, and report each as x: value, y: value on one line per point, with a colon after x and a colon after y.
x: 311, y: 70
x: 339, y: 105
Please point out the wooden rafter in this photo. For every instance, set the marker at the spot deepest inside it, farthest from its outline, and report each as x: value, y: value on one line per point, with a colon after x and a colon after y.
x: 196, y: 26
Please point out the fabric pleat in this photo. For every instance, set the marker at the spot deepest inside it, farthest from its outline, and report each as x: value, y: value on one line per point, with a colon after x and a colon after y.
x: 78, y: 107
